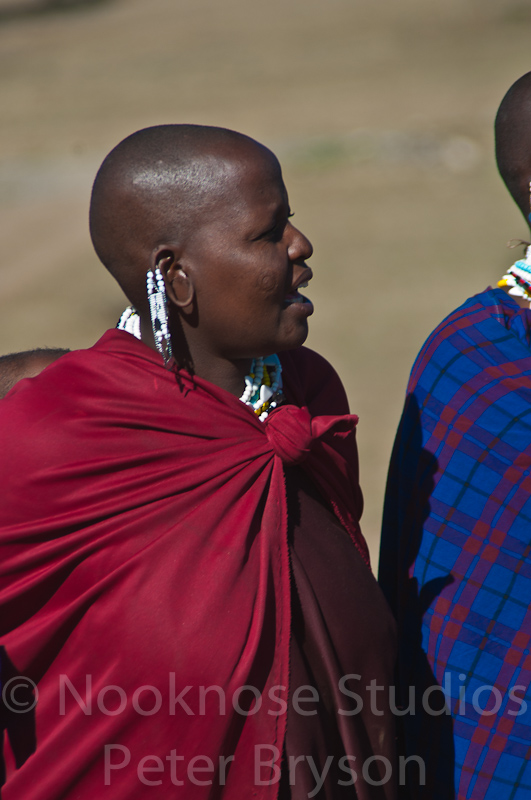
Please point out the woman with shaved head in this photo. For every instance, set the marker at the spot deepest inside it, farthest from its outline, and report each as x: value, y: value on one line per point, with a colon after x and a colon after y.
x: 183, y: 579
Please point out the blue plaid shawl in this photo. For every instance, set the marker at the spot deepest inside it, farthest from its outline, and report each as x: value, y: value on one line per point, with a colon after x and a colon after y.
x: 455, y: 557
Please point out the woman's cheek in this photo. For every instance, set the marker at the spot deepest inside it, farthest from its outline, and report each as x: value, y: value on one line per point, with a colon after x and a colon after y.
x: 267, y: 282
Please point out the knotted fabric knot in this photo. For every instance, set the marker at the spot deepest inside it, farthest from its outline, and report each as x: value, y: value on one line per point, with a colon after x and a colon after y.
x: 291, y: 431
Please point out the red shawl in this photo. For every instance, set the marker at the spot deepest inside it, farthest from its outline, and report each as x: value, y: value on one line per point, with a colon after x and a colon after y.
x: 143, y: 544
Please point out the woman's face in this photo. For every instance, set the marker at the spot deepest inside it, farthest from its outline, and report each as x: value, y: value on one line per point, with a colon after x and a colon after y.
x: 247, y: 262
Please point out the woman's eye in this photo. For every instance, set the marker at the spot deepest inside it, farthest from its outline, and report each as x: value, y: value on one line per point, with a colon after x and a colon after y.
x: 273, y: 233
x: 277, y: 230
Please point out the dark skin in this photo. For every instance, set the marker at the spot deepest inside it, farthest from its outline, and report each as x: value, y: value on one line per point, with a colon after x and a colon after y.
x: 234, y: 280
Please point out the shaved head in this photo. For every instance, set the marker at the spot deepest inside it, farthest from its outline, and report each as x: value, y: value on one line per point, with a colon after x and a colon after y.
x: 513, y: 142
x: 153, y: 187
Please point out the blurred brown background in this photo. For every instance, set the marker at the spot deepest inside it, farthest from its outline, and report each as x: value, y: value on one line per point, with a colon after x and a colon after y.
x: 381, y: 113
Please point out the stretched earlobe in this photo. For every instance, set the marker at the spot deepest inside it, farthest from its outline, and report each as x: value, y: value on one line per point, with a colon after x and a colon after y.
x: 181, y: 288
x: 179, y: 285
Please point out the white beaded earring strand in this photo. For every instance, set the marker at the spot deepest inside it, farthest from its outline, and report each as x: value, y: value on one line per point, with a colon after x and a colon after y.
x: 158, y: 310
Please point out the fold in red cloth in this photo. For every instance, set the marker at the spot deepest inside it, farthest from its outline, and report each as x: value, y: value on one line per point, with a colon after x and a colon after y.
x: 145, y: 559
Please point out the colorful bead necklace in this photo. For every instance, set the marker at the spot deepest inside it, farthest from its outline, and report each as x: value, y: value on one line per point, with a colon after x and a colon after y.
x: 263, y: 386
x: 518, y: 277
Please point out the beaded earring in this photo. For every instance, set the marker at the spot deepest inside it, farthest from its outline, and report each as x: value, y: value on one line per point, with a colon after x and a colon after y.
x: 158, y: 310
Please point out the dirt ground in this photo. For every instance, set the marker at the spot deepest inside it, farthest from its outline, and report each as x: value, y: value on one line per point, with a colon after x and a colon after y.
x: 380, y: 112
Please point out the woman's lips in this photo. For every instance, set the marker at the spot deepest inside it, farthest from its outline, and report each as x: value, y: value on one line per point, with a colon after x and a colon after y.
x: 298, y: 300
x: 296, y: 296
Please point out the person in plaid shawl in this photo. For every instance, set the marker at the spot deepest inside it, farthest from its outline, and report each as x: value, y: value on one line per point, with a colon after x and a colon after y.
x: 456, y: 544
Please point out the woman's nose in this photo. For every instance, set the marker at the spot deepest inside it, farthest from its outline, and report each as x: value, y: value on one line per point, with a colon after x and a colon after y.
x: 300, y: 247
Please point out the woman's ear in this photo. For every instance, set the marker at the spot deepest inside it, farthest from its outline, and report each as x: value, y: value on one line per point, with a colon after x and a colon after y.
x: 179, y: 285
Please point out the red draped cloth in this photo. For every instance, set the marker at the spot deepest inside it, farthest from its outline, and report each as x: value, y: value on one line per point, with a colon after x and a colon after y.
x: 145, y: 575
x: 342, y: 746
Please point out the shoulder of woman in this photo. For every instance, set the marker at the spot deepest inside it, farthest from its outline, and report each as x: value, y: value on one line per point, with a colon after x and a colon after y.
x: 310, y: 380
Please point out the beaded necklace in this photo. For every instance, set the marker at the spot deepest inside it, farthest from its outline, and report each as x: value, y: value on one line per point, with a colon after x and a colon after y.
x: 263, y: 385
x: 130, y: 322
x: 518, y: 277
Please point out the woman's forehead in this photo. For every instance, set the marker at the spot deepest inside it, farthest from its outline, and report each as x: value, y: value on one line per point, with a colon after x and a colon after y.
x: 254, y: 182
